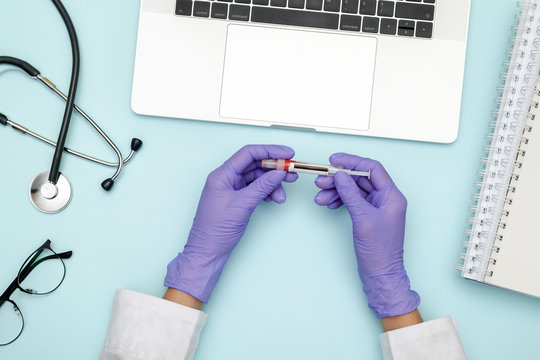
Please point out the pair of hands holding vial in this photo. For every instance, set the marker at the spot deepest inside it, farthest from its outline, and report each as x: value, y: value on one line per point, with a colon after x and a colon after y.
x: 233, y: 191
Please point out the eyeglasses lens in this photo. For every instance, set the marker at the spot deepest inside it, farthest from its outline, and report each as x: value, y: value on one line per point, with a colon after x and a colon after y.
x: 11, y: 322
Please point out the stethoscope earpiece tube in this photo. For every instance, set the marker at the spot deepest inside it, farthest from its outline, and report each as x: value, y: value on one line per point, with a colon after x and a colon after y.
x: 136, y: 144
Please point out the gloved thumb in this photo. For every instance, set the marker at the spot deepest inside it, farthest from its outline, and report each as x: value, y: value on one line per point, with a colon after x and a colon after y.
x: 264, y: 185
x: 350, y: 194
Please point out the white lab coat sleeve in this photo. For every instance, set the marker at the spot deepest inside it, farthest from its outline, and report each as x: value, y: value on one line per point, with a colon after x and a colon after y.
x: 146, y: 327
x: 435, y: 339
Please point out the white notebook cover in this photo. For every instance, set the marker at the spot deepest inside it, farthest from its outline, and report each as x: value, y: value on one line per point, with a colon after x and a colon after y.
x: 503, y: 246
x: 517, y: 265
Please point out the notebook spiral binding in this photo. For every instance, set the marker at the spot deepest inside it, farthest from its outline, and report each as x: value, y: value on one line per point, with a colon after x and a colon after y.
x: 514, y: 180
x: 506, y: 149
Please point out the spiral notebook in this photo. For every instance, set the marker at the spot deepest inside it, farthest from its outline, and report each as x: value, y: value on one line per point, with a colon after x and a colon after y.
x: 503, y: 246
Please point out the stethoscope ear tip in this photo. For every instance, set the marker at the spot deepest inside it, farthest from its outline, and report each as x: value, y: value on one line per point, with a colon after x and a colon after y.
x: 107, y: 184
x: 136, y: 144
x: 4, y: 121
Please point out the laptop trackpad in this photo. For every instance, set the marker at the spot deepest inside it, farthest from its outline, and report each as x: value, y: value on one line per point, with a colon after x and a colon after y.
x: 298, y: 78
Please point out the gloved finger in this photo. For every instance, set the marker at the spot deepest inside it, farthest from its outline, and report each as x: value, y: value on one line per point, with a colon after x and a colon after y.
x: 351, y: 162
x: 335, y: 205
x: 254, y: 165
x: 252, y: 175
x: 263, y: 186
x: 326, y: 197
x: 291, y: 177
x: 379, y: 176
x: 249, y: 177
x: 330, y: 196
x: 240, y: 161
x: 328, y: 183
x: 279, y: 195
x: 325, y: 182
x: 350, y: 194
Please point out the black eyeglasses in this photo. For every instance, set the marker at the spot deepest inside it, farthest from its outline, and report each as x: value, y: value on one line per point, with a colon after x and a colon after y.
x: 50, y: 276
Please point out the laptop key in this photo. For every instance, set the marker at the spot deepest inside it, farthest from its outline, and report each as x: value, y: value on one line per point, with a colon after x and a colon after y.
x: 219, y: 11
x: 183, y: 7
x: 243, y: 1
x: 280, y: 3
x: 314, y: 4
x: 415, y: 11
x: 239, y: 12
x: 370, y: 24
x: 406, y: 28
x: 350, y: 22
x: 388, y: 26
x: 424, y: 29
x: 349, y: 6
x: 261, y: 2
x: 294, y: 17
x: 297, y: 4
x: 201, y: 9
x: 332, y: 5
x: 368, y: 7
x: 385, y: 8
x: 406, y: 24
x: 405, y: 32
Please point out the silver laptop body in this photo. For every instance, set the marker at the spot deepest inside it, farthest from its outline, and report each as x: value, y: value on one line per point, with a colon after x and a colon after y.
x: 389, y: 68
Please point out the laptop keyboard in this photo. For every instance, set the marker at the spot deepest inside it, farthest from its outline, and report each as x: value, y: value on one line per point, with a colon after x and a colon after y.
x: 408, y: 18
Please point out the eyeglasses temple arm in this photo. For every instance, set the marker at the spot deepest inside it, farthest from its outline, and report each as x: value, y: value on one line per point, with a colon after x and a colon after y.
x: 11, y: 288
x: 28, y: 268
x: 31, y: 265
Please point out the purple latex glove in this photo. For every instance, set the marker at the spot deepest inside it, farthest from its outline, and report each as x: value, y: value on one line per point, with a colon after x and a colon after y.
x: 231, y: 194
x: 377, y: 209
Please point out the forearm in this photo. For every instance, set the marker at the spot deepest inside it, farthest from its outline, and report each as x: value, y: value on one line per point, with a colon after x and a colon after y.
x: 182, y: 298
x: 401, y: 321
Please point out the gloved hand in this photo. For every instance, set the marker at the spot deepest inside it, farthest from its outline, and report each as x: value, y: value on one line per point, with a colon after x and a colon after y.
x: 377, y: 210
x: 231, y: 194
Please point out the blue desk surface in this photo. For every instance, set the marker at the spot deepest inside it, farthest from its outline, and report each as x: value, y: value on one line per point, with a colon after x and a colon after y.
x: 291, y: 294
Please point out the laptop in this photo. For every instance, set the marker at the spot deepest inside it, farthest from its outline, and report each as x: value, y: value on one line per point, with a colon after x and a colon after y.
x: 361, y: 67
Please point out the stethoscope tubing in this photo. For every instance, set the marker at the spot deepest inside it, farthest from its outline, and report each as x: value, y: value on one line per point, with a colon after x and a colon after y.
x: 53, y: 87
x: 70, y: 99
x: 53, y: 176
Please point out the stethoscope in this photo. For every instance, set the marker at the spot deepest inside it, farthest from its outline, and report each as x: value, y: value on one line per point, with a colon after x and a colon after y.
x: 51, y: 191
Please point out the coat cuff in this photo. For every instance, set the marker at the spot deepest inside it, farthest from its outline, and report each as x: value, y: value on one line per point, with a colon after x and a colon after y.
x: 435, y: 339
x: 147, y: 327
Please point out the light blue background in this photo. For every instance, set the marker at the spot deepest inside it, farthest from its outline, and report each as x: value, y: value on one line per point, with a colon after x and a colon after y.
x: 290, y: 290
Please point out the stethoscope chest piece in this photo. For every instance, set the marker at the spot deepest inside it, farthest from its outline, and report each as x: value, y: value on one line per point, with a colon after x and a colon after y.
x: 48, y: 197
